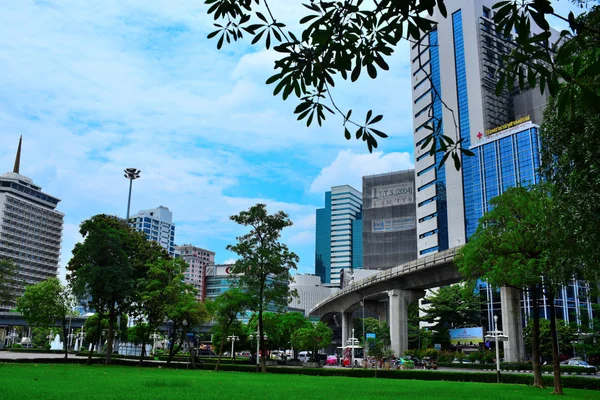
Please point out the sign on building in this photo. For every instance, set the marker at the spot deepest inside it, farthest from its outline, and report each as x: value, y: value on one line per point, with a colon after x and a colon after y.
x: 393, y: 195
x: 393, y: 224
x: 466, y: 336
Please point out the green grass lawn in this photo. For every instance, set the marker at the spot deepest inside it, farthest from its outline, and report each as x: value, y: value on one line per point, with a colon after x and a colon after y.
x: 78, y: 382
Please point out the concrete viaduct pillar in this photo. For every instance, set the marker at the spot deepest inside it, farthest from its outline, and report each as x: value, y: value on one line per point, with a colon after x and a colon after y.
x: 512, y: 325
x: 398, y: 317
x: 346, y: 327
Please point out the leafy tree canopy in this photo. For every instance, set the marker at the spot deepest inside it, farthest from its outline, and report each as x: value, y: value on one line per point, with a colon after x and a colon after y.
x: 342, y: 39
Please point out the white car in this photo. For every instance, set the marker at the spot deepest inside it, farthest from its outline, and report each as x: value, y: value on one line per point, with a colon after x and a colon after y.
x: 581, y: 363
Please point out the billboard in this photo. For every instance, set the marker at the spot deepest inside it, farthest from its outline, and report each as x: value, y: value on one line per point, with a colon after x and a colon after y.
x: 466, y: 336
x: 393, y: 195
x: 393, y: 224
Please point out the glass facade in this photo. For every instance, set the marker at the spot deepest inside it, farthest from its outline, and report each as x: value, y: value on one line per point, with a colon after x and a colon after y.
x: 323, y: 241
x: 509, y: 161
x: 470, y: 170
x: 440, y: 183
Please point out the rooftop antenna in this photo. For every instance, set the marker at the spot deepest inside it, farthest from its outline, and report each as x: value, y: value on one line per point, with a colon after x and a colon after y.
x: 18, y: 158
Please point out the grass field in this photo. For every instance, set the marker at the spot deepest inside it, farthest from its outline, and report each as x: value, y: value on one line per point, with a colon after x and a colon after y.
x: 74, y: 382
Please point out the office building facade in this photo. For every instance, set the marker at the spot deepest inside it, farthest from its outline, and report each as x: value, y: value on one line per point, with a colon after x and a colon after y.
x: 389, y: 234
x: 461, y: 57
x: 310, y: 291
x: 338, y: 234
x: 30, y: 229
x: 198, y: 260
x: 157, y: 224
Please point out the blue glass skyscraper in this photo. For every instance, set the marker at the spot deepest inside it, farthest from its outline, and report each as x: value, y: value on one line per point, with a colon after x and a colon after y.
x: 338, y: 243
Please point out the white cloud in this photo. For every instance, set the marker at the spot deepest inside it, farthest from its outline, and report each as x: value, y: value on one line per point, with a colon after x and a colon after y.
x: 349, y: 168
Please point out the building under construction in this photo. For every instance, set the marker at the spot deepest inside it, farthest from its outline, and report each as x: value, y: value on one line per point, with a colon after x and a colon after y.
x: 389, y: 219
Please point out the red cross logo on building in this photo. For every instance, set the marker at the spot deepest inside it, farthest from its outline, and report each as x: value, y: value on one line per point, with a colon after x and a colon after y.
x: 479, y: 135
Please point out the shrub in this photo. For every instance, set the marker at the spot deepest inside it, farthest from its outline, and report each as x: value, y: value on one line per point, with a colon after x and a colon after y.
x: 572, y: 382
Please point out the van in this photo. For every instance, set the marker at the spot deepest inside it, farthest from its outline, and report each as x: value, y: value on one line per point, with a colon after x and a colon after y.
x: 304, y: 356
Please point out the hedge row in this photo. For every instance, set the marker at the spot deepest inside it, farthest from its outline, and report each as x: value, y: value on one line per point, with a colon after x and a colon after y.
x: 521, y: 367
x: 572, y: 382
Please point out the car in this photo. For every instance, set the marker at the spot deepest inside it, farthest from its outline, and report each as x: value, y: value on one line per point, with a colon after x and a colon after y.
x: 581, y: 363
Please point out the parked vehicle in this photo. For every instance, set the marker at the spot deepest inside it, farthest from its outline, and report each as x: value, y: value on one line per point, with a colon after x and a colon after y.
x: 581, y: 363
x: 304, y: 356
x: 331, y: 360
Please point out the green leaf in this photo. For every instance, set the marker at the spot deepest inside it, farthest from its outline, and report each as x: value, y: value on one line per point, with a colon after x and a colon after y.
x: 356, y: 70
x: 376, y: 119
x: 307, y: 18
x: 347, y: 133
x: 369, y: 113
x: 378, y: 133
x: 467, y: 152
x: 372, y: 71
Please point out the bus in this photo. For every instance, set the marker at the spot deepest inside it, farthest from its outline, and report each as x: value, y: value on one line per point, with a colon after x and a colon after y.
x: 348, y: 357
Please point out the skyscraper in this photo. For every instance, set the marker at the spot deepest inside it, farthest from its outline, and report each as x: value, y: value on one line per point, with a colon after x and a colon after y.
x: 338, y: 233
x: 453, y: 74
x: 454, y: 79
x: 30, y: 228
x: 157, y: 224
x: 198, y: 260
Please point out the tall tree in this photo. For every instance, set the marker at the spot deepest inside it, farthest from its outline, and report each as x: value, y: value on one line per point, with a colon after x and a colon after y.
x: 8, y: 275
x: 106, y: 267
x: 263, y: 270
x: 226, y: 308
x: 509, y: 248
x: 45, y: 303
x: 452, y: 307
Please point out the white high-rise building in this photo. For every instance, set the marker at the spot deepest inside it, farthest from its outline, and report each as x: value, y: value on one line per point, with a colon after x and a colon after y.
x: 346, y: 230
x: 157, y: 224
x: 30, y: 228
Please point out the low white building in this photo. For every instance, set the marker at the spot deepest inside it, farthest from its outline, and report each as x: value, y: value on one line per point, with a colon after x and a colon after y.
x: 310, y: 291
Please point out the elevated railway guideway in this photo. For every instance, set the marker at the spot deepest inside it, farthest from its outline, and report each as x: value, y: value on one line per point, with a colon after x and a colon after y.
x: 389, y: 292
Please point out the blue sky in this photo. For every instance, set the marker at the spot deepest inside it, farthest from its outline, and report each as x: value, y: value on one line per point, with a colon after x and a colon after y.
x: 98, y: 86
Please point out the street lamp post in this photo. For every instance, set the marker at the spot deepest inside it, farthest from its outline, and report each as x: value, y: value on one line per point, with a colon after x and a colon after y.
x: 79, y: 341
x: 154, y: 336
x: 257, y: 336
x: 131, y: 174
x: 497, y: 337
x: 232, y: 339
x: 70, y: 336
x: 352, y: 341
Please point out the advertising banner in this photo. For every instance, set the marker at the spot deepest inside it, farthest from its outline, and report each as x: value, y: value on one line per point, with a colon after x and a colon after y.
x: 393, y: 224
x: 392, y: 195
x: 466, y: 336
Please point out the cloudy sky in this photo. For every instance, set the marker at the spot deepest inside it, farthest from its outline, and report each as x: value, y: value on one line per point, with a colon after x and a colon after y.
x: 98, y: 86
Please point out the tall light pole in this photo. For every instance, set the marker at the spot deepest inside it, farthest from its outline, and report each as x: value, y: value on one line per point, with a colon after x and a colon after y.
x: 131, y: 174
x: 257, y: 336
x: 497, y: 336
x: 232, y: 339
